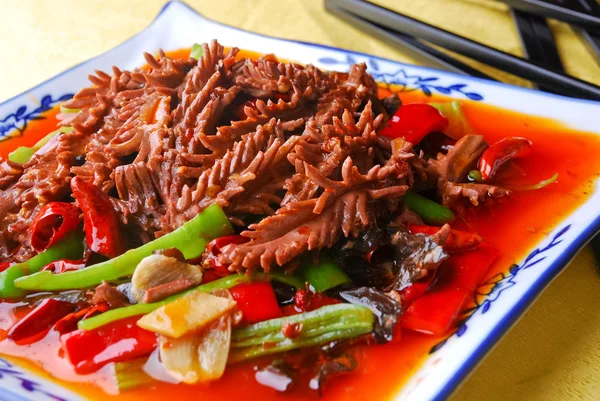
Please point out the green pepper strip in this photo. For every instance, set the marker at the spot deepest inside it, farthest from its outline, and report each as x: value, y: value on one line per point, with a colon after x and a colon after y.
x: 70, y: 247
x: 190, y: 239
x: 197, y: 51
x: 430, y: 211
x: 22, y: 154
x: 329, y: 323
x: 324, y: 275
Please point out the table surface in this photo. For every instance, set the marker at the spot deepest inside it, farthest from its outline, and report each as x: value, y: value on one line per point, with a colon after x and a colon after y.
x: 553, y: 352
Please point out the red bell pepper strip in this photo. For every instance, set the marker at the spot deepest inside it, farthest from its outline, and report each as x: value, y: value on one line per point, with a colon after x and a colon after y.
x: 69, y: 322
x: 501, y: 152
x: 52, y: 223
x: 64, y: 265
x: 40, y: 320
x: 437, y: 310
x: 89, y: 350
x: 256, y: 301
x: 416, y: 290
x: 100, y: 221
x: 413, y: 122
x: 213, y: 250
x: 457, y: 241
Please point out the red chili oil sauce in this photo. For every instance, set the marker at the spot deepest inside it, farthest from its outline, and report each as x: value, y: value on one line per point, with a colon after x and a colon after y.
x: 513, y: 226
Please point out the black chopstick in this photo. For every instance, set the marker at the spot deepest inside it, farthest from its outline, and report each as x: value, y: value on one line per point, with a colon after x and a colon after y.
x: 591, y: 40
x: 581, y: 12
x: 426, y: 54
x: 496, y: 58
x: 538, y: 41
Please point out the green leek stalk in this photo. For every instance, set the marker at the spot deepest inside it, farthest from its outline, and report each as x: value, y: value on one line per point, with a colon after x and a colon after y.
x: 190, y: 239
x: 70, y: 247
x: 431, y: 212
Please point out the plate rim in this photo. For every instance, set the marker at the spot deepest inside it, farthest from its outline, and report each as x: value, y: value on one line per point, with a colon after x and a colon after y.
x: 525, y: 301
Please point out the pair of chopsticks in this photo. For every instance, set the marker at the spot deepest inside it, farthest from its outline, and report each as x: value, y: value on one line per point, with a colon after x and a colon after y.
x: 399, y: 30
x: 543, y: 65
x: 584, y: 15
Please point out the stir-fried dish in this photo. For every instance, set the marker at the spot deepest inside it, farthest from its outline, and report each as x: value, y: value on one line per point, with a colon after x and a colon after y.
x: 204, y: 212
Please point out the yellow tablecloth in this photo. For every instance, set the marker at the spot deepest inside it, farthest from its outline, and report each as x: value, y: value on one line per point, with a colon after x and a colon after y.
x: 553, y: 353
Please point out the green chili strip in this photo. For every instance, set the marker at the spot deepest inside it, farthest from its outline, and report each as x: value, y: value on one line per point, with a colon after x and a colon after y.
x: 324, y: 275
x: 70, y: 247
x: 282, y: 277
x: 22, y: 154
x: 190, y: 239
x: 430, y: 211
x: 197, y: 51
x: 329, y: 323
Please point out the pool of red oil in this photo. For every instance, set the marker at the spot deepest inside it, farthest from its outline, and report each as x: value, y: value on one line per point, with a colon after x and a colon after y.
x: 513, y: 227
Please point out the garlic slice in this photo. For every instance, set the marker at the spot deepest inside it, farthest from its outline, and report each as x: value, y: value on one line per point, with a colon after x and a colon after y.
x: 155, y: 270
x: 198, y: 359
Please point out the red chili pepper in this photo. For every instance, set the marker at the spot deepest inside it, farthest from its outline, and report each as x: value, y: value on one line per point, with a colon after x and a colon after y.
x: 100, y: 221
x: 37, y: 322
x: 52, y: 223
x: 65, y: 265
x: 437, y: 310
x: 4, y: 266
x: 501, y: 152
x: 214, y: 248
x: 69, y: 322
x: 256, y: 301
x: 414, y: 121
x: 457, y: 241
x: 89, y: 350
x: 306, y: 301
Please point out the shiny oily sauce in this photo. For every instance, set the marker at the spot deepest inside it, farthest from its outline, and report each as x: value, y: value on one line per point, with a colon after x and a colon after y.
x: 512, y: 226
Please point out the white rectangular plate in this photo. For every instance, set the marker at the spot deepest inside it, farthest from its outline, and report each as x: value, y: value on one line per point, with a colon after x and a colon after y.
x: 178, y: 26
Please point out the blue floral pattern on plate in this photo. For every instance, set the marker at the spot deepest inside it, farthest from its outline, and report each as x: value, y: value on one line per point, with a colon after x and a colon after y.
x: 18, y: 120
x: 404, y: 81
